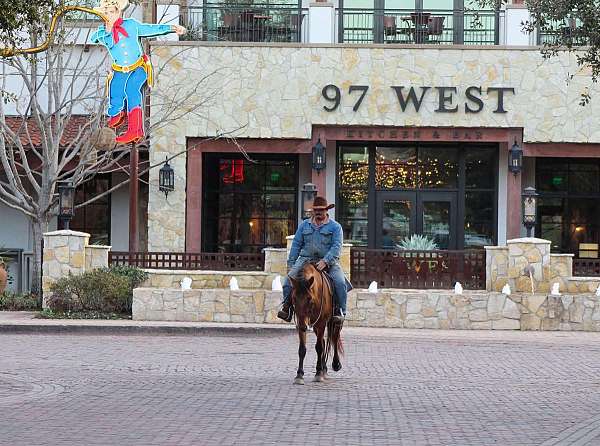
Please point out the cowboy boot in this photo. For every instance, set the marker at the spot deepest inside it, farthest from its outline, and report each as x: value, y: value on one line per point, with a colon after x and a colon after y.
x: 286, y: 313
x: 135, y: 127
x: 117, y: 120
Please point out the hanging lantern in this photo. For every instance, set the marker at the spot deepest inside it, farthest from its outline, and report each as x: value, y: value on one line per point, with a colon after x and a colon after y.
x: 166, y: 178
x: 515, y: 159
x: 318, y: 156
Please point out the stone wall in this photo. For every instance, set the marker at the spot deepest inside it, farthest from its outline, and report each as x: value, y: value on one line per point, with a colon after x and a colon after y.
x: 511, y: 265
x: 67, y: 252
x: 244, y: 83
x: 433, y: 309
x: 208, y: 279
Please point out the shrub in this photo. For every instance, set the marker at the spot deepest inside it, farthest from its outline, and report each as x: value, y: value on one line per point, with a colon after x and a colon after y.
x: 98, y: 290
x: 135, y: 275
x: 10, y: 301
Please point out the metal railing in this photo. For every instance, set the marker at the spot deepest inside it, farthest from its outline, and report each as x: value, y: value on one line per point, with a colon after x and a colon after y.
x: 417, y: 269
x: 189, y: 261
x: 423, y: 27
x: 586, y: 267
x: 247, y: 23
x: 561, y: 32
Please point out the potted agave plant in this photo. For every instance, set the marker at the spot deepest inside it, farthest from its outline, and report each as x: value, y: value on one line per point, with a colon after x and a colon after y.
x: 418, y: 242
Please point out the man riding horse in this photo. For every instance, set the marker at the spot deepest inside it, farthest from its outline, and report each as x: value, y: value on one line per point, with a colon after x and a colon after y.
x: 319, y: 240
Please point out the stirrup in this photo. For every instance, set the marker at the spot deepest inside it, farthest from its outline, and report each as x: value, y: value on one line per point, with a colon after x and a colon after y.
x: 281, y: 314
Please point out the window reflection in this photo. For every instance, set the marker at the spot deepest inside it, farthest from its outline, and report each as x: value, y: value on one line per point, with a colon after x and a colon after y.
x: 248, y: 204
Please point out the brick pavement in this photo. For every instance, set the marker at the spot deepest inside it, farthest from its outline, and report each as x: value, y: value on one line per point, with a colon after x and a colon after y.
x: 398, y: 387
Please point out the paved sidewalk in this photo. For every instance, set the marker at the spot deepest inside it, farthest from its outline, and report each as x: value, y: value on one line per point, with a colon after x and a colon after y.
x: 228, y: 384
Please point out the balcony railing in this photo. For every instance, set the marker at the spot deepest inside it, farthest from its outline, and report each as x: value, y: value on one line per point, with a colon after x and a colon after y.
x: 244, y: 23
x: 423, y: 27
x: 563, y: 31
x: 417, y: 269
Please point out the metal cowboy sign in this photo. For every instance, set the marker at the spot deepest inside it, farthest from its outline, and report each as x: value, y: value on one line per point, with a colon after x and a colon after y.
x: 131, y: 68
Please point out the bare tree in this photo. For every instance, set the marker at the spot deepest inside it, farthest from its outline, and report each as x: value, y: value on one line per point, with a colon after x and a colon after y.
x: 56, y: 130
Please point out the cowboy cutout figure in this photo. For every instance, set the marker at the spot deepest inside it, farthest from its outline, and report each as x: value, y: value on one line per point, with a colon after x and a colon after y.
x: 319, y: 240
x: 131, y: 68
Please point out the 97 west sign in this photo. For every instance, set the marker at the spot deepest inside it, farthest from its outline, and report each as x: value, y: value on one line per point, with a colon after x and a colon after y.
x: 472, y: 99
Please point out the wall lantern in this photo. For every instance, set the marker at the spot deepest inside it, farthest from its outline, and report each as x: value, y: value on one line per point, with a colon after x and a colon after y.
x: 166, y: 178
x: 529, y: 208
x: 309, y: 192
x: 515, y: 158
x: 318, y: 156
x: 66, y: 202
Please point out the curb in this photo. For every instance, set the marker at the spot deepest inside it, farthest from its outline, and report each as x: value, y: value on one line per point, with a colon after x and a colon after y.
x: 234, y: 330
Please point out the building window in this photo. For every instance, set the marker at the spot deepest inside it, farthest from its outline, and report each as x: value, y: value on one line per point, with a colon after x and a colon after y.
x: 569, y: 192
x: 248, y: 204
x: 445, y: 192
x: 93, y: 218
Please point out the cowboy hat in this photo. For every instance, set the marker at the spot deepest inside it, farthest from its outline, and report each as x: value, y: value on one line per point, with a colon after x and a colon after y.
x: 105, y: 5
x: 321, y: 203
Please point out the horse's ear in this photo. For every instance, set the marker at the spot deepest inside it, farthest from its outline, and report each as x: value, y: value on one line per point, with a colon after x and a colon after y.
x: 309, y: 282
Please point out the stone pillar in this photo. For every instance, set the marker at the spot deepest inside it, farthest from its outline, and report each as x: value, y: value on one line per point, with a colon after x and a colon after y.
x: 276, y: 261
x: 496, y: 267
x: 528, y: 252
x: 96, y: 256
x: 64, y: 253
x: 321, y: 19
x: 345, y: 258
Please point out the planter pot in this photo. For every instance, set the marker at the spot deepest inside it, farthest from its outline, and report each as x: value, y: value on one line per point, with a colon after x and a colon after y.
x: 3, y: 278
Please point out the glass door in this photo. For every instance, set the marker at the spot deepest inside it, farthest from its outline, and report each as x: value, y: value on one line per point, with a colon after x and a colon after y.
x: 396, y: 217
x: 436, y: 218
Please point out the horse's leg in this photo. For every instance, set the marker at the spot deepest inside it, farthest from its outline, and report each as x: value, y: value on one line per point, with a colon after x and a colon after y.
x: 335, y: 338
x: 301, y: 354
x: 320, y: 347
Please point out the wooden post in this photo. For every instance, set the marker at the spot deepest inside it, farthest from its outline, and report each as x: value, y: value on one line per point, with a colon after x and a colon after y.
x: 133, y: 199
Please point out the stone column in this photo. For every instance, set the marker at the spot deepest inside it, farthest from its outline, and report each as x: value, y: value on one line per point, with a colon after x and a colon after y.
x: 496, y: 267
x: 345, y: 258
x: 96, y: 256
x: 64, y: 253
x: 528, y: 252
x: 321, y: 16
x: 276, y: 261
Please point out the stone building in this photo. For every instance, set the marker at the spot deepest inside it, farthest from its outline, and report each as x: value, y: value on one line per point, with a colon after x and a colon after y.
x: 415, y: 105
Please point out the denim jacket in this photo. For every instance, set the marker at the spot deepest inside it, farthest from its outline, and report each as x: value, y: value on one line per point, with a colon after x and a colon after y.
x: 324, y: 242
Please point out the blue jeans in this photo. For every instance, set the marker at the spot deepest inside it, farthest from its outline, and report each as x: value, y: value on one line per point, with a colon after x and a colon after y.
x: 126, y: 89
x: 334, y: 271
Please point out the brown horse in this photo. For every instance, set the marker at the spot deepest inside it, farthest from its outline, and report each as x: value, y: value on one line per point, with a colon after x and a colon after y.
x: 312, y: 298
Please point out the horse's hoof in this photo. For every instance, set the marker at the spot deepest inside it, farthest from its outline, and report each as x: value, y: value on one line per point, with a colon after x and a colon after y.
x: 319, y: 379
x: 299, y: 381
x: 337, y: 366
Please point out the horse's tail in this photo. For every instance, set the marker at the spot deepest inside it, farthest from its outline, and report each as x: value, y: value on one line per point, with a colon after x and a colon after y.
x: 340, y: 344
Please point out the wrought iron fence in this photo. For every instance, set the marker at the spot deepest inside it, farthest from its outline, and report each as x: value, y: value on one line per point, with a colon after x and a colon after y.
x: 561, y: 31
x: 189, y: 261
x: 247, y: 23
x: 586, y: 267
x: 417, y: 269
x: 410, y: 26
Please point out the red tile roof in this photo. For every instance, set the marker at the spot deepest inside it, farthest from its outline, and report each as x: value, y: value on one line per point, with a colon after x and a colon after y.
x: 70, y: 133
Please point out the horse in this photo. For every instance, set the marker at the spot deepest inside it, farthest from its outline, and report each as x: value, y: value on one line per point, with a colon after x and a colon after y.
x: 312, y: 299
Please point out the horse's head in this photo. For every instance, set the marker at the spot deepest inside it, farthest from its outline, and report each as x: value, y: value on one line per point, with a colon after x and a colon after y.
x: 304, y: 296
